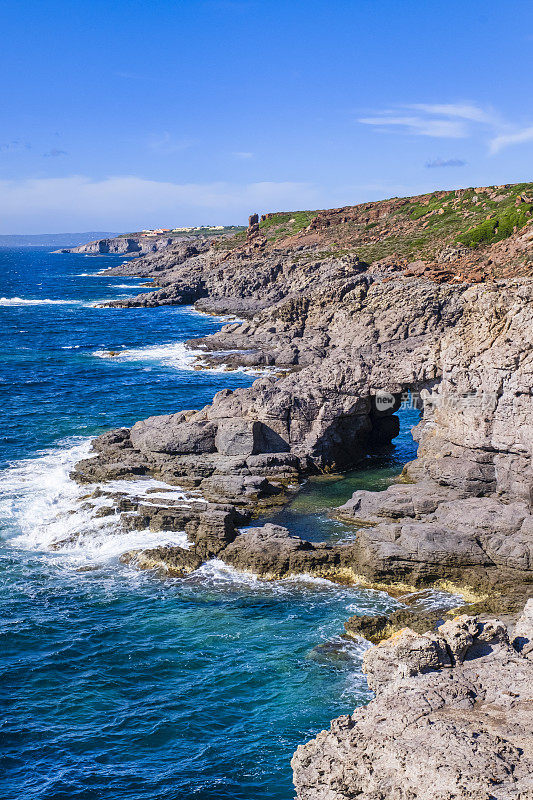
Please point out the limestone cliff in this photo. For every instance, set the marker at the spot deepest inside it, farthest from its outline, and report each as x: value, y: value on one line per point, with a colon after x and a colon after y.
x: 451, y: 720
x: 426, y: 300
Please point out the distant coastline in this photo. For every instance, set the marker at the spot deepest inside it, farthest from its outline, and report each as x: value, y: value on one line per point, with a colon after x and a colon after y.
x: 52, y: 239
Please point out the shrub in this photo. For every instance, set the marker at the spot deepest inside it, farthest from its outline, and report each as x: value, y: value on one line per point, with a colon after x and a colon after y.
x: 497, y: 228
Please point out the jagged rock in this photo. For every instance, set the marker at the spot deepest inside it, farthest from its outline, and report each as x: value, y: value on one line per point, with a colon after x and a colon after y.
x: 433, y: 731
x: 271, y: 552
x: 171, y: 560
x: 379, y: 627
x: 404, y: 655
x: 352, y: 333
x: 523, y: 632
x: 214, y: 530
x: 455, y: 331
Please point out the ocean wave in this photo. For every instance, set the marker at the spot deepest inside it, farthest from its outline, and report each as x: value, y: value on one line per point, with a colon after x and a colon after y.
x: 179, y: 356
x: 25, y: 301
x: 172, y: 355
x: 128, y: 286
x: 45, y: 511
x: 215, y: 318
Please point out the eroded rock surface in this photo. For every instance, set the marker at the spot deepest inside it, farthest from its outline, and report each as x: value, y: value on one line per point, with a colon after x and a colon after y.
x: 451, y: 720
x: 349, y: 328
x: 463, y: 512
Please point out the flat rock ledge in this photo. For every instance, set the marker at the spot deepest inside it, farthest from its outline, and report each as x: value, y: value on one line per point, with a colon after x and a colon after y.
x: 451, y: 720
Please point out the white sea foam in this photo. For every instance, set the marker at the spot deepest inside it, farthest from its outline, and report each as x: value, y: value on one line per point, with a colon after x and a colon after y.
x: 171, y: 355
x: 24, y: 301
x: 45, y: 511
x: 218, y: 573
x: 179, y: 356
x: 128, y: 286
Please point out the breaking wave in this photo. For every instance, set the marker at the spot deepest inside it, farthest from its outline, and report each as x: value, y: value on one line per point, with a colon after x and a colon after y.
x: 45, y: 511
x: 24, y: 301
x: 179, y: 356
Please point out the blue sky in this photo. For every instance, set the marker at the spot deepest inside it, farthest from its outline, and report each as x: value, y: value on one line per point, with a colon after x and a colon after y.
x: 128, y: 114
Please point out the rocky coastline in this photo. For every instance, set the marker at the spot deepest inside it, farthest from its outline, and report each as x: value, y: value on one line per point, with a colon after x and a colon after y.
x: 451, y: 718
x: 348, y: 339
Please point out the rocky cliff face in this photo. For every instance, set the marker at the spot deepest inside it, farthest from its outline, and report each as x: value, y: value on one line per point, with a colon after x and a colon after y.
x: 347, y: 339
x: 127, y: 245
x: 451, y: 720
x: 351, y: 338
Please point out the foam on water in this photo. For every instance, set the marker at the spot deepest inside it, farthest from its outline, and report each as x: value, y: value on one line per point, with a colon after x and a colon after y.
x: 179, y: 356
x: 127, y: 286
x: 24, y: 301
x: 48, y: 512
x: 216, y: 318
x: 174, y: 354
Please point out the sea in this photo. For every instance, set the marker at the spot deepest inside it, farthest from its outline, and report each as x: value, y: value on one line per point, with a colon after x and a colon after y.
x: 117, y: 684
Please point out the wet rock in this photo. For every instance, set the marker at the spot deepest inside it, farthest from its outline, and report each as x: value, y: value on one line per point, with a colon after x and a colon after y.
x: 170, y: 560
x: 271, y: 552
x: 213, y: 531
x: 379, y: 627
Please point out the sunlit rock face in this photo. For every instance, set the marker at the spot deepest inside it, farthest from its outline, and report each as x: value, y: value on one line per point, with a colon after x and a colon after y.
x: 450, y: 719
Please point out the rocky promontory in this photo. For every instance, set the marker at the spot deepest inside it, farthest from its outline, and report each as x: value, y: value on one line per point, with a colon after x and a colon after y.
x: 351, y: 312
x: 451, y: 719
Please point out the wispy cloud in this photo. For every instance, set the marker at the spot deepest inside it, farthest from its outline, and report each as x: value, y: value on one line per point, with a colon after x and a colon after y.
x: 129, y: 203
x: 55, y: 153
x: 466, y: 111
x: 452, y: 121
x: 166, y: 143
x: 419, y: 126
x: 14, y: 145
x: 445, y: 162
x: 243, y: 155
x: 507, y: 139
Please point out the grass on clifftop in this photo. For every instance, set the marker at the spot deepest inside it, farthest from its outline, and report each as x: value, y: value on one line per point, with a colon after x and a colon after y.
x: 286, y: 223
x: 412, y: 228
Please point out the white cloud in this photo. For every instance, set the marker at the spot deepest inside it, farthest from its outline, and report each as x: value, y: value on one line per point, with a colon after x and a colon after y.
x: 243, y: 155
x: 421, y: 126
x: 452, y: 121
x: 507, y: 139
x: 131, y: 203
x: 466, y: 111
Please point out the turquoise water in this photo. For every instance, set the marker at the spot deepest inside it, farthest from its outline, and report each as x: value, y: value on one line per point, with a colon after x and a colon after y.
x: 118, y: 685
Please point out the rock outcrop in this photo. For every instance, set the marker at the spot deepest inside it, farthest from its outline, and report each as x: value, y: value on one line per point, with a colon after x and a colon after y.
x: 423, y: 300
x: 134, y: 245
x: 451, y: 720
x: 463, y: 512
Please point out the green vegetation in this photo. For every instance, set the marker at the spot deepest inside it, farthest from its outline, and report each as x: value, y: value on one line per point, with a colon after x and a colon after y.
x: 497, y: 228
x: 418, y: 227
x: 286, y: 223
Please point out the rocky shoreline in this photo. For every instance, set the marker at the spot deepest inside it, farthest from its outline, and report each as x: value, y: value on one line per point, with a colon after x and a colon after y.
x: 352, y: 339
x: 451, y: 718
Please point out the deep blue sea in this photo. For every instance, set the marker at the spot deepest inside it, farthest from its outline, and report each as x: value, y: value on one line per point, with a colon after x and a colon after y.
x: 115, y: 684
